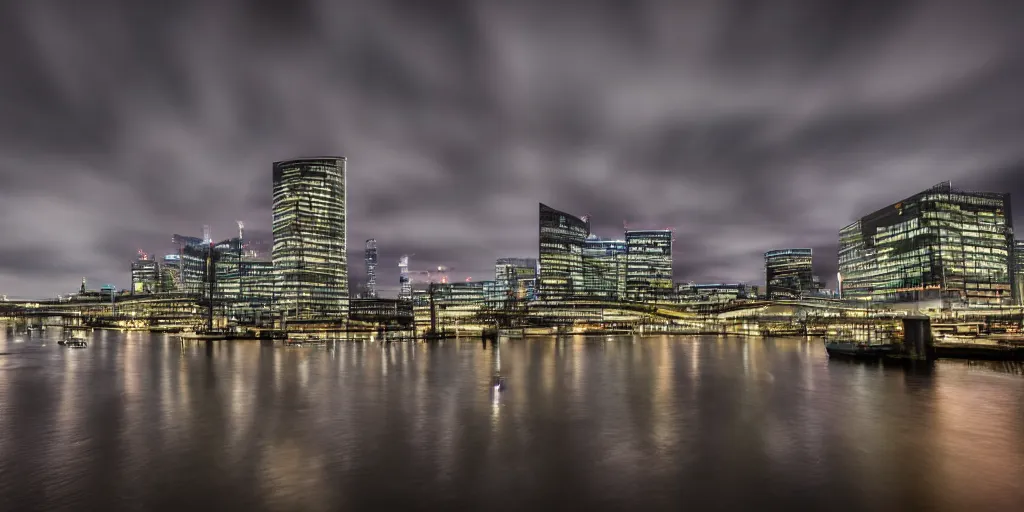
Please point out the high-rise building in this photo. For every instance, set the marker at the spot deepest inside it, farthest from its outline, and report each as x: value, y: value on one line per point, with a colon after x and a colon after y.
x: 514, y: 279
x: 145, y: 275
x: 788, y: 273
x: 309, y: 230
x: 1018, y: 272
x: 371, y: 269
x: 561, y: 254
x: 228, y: 270
x: 170, y: 273
x: 211, y: 270
x: 604, y: 268
x: 649, y: 265
x: 942, y: 243
x: 404, y: 284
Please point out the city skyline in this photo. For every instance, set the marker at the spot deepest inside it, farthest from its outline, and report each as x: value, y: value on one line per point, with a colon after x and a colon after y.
x: 108, y: 147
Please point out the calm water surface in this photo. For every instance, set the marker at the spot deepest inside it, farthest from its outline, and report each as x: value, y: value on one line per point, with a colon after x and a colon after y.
x: 145, y: 422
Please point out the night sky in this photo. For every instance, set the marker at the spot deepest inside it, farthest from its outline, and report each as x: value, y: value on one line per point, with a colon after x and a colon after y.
x: 745, y: 126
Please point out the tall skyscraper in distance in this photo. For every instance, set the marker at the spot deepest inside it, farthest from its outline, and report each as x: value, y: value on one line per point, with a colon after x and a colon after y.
x: 1018, y: 272
x: 561, y: 254
x: 788, y: 273
x: 940, y: 244
x: 309, y: 226
x: 371, y: 269
x: 404, y: 284
x: 649, y: 265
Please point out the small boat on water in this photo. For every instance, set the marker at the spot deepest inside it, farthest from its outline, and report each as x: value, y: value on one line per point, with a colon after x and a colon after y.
x: 857, y: 350
x: 293, y: 342
x: 214, y: 334
x: 498, y: 383
x: 73, y: 343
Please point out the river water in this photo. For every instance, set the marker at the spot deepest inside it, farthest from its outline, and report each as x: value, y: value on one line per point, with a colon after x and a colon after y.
x: 146, y: 422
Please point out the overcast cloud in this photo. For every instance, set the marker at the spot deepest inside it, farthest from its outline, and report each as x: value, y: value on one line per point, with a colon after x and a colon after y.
x: 743, y: 126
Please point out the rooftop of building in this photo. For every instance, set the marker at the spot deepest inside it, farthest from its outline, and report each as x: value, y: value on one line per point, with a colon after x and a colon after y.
x: 801, y: 251
x: 309, y: 159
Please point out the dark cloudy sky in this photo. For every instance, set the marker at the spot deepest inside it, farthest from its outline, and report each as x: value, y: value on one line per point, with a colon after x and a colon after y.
x: 745, y: 126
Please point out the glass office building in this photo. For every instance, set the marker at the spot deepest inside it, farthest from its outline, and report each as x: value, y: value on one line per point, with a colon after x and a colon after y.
x: 788, y: 273
x: 942, y: 243
x: 604, y: 268
x: 561, y: 254
x: 1018, y: 272
x: 145, y: 275
x: 309, y: 227
x: 515, y: 279
x: 211, y: 270
x: 371, y: 269
x: 170, y: 273
x: 255, y: 292
x: 649, y: 265
x: 458, y: 307
x: 240, y: 286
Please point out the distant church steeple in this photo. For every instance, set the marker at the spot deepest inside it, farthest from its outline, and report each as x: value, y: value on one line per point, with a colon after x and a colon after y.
x: 82, y: 290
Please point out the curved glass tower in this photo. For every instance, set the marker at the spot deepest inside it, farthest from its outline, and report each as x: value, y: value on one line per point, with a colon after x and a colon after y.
x: 561, y: 254
x: 309, y: 252
x: 789, y: 273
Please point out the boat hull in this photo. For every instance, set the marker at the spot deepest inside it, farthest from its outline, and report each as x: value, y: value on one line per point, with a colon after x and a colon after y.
x: 858, y: 351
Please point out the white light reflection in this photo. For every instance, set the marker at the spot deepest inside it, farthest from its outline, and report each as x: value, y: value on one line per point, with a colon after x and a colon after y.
x: 304, y: 370
x: 242, y: 401
x: 278, y: 366
x: 746, y: 358
x: 292, y: 478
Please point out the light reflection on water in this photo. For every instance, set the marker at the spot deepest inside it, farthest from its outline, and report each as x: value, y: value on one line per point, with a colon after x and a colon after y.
x: 147, y: 422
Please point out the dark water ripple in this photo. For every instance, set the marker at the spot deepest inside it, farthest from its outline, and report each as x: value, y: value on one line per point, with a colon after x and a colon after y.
x: 144, y: 422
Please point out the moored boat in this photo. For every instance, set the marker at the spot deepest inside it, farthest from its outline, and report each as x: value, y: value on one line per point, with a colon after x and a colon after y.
x: 74, y: 343
x: 855, y: 350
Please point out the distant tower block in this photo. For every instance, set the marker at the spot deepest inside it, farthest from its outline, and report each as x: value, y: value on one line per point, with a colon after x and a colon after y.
x: 371, y: 269
x: 405, y: 286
